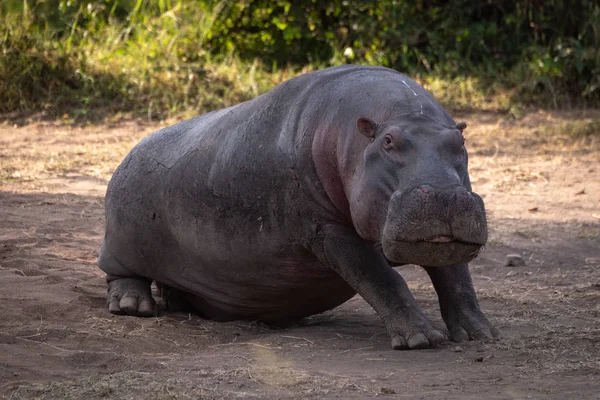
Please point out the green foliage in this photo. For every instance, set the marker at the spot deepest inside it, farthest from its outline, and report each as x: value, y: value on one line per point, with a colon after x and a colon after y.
x: 165, y: 56
x: 39, y: 74
x: 546, y: 43
x: 90, y: 58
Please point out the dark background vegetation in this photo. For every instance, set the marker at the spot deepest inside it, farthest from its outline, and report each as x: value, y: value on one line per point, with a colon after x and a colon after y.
x: 85, y: 59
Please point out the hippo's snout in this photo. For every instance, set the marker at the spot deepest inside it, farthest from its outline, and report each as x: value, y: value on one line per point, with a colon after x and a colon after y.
x: 432, y: 227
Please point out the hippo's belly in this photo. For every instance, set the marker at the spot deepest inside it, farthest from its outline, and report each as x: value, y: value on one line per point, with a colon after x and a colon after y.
x: 287, y: 290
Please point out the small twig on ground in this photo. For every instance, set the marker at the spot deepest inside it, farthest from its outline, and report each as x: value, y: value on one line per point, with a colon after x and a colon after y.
x: 49, y: 345
x: 186, y: 320
x: 297, y: 337
x: 342, y: 336
x: 172, y: 341
x: 360, y: 348
x: 12, y: 270
x: 375, y: 335
x: 246, y: 343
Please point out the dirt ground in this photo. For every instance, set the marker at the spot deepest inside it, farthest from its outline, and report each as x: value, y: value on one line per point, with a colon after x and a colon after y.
x: 540, y: 178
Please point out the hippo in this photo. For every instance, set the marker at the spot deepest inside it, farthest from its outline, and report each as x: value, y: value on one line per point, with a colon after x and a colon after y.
x: 289, y: 204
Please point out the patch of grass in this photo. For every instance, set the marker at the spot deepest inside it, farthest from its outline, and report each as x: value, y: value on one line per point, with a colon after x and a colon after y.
x: 589, y: 233
x: 528, y: 233
x: 467, y: 93
x: 495, y: 241
x: 577, y: 129
x: 568, y: 134
x: 198, y: 383
x: 62, y: 150
x: 80, y: 62
x: 551, y: 133
x: 152, y: 66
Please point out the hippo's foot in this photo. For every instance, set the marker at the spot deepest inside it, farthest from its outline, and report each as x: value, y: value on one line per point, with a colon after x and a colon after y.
x: 459, y: 305
x: 421, y: 335
x: 467, y: 322
x: 131, y: 296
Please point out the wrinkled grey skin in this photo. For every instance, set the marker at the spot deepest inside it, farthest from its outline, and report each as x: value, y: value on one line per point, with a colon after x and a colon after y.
x: 287, y: 205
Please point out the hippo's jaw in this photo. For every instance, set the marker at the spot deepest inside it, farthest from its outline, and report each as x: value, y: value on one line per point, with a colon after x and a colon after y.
x: 434, y: 228
x: 430, y: 254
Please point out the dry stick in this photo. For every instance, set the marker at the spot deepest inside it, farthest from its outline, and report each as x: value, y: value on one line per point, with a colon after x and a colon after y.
x: 24, y: 338
x: 360, y: 348
x: 245, y: 343
x: 377, y: 334
x: 12, y: 270
x: 54, y: 347
x: 297, y: 337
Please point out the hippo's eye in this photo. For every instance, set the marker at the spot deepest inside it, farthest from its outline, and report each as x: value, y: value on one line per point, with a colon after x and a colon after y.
x: 388, y: 142
x: 458, y: 143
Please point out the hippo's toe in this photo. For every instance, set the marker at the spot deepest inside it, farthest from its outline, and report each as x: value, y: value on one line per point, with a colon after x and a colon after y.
x: 419, y: 340
x: 470, y: 324
x: 131, y: 296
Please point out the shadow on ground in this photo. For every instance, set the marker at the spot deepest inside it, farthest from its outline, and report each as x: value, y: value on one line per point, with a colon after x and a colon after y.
x: 59, y: 341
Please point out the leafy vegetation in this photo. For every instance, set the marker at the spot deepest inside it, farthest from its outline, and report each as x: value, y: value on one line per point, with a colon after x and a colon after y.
x: 87, y: 58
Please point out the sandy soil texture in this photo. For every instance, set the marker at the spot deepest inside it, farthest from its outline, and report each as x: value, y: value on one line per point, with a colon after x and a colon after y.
x: 540, y: 176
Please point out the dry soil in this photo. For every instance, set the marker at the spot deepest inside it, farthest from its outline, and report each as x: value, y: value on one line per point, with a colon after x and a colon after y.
x: 540, y: 178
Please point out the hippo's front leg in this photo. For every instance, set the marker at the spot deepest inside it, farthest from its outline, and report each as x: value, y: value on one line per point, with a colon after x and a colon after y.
x: 458, y: 304
x: 366, y: 270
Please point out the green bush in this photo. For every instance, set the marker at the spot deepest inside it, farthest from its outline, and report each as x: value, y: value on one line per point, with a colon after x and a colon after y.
x: 88, y: 59
x: 168, y: 56
x: 547, y: 43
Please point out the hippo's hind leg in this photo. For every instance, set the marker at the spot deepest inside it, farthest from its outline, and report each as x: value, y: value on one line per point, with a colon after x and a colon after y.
x: 131, y: 296
x: 127, y: 293
x: 175, y: 300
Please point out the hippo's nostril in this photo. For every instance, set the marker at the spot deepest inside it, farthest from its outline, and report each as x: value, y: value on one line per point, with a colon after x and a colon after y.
x: 426, y: 189
x: 462, y: 196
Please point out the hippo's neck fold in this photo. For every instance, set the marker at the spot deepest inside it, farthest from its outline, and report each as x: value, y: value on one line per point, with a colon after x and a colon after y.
x: 326, y: 160
x: 338, y: 154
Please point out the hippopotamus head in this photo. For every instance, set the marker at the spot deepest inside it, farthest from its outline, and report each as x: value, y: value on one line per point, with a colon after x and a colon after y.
x: 411, y: 192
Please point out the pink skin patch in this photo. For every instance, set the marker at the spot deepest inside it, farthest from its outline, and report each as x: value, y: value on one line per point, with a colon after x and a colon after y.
x: 439, y: 239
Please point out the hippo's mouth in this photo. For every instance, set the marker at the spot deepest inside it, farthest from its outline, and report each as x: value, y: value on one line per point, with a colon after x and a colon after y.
x: 437, y: 251
x: 434, y: 228
x: 439, y: 239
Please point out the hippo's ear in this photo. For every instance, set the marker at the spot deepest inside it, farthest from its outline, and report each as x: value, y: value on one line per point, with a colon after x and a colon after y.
x: 461, y: 126
x: 366, y: 127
